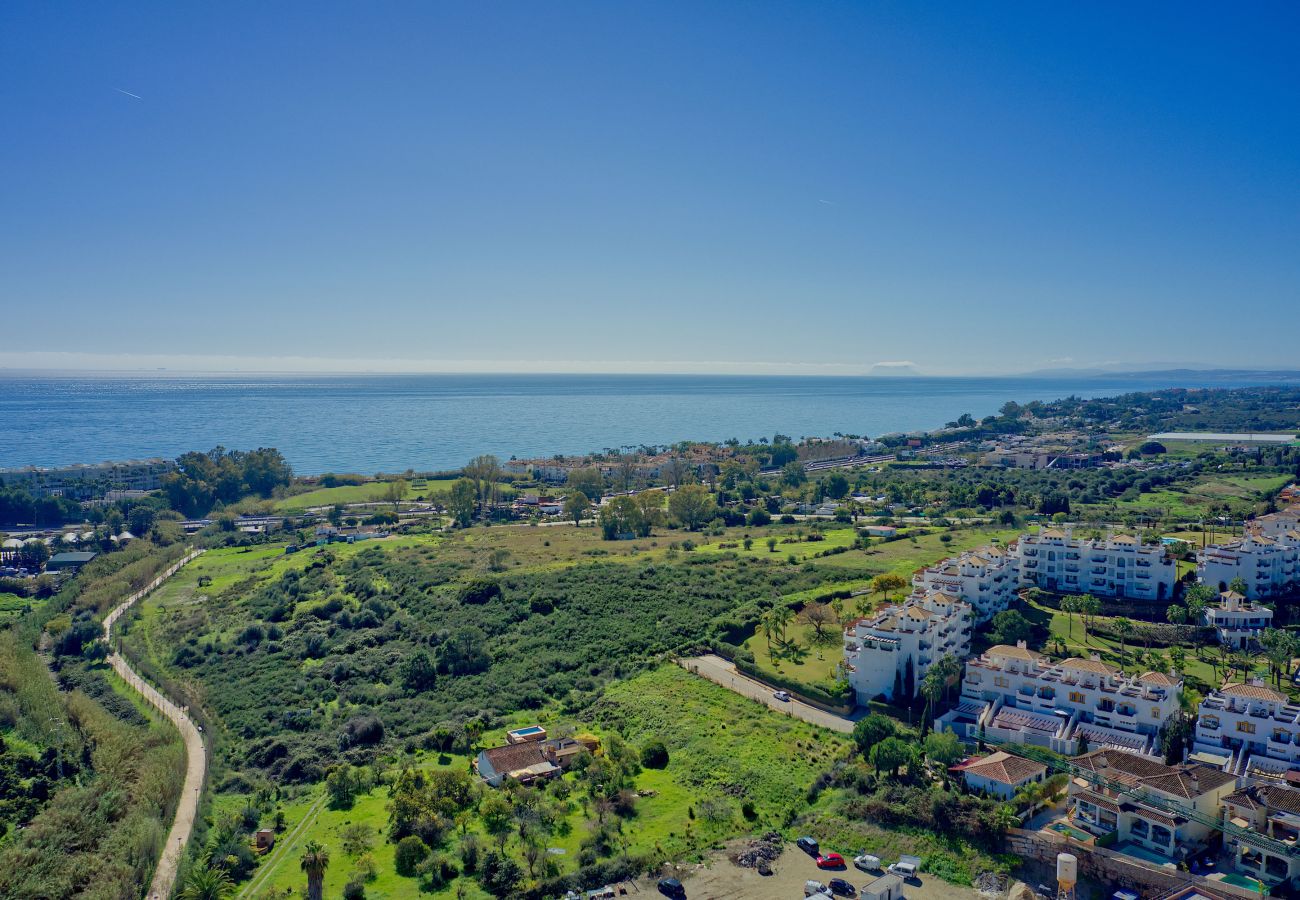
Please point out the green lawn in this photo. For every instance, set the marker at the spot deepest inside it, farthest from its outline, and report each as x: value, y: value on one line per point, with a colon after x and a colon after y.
x: 801, y: 657
x: 1194, y: 500
x: 371, y: 492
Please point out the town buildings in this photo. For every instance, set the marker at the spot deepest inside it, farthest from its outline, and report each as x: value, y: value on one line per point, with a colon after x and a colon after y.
x: 1116, y: 566
x: 1237, y: 621
x: 86, y: 481
x: 1271, y: 810
x: 890, y: 652
x: 986, y: 579
x: 1161, y: 809
x: 1014, y: 694
x: 1253, y: 728
x: 1268, y: 565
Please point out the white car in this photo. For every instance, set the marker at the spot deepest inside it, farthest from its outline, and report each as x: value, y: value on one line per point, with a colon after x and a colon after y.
x: 867, y: 863
x: 816, y: 889
x: 783, y: 696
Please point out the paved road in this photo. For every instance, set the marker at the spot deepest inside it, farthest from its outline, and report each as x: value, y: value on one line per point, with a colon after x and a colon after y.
x: 720, y: 671
x: 164, y: 877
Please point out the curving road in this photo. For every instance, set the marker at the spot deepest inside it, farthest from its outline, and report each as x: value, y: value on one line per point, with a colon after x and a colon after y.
x: 722, y: 672
x: 164, y: 877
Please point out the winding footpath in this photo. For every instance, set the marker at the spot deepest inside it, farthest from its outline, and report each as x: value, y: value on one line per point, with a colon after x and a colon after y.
x: 164, y: 877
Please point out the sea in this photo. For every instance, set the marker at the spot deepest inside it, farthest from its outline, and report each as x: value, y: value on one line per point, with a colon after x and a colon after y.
x: 390, y: 423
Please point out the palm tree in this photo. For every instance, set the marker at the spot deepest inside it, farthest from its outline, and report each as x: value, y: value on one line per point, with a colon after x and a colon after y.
x: 1070, y: 606
x: 1089, y: 606
x: 315, y: 860
x: 204, y: 883
x: 1175, y: 614
x: 1123, y: 627
x: 768, y: 623
x: 1177, y: 659
x: 784, y: 616
x: 932, y: 689
x: 1004, y: 817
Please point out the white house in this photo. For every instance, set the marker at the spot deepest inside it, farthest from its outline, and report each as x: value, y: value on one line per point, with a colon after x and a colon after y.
x: 1270, y: 810
x: 986, y: 579
x: 1120, y: 801
x: 1001, y: 774
x: 1237, y: 621
x: 1268, y: 565
x: 1117, y: 566
x: 923, y: 629
x: 1255, y: 728
x: 1014, y: 694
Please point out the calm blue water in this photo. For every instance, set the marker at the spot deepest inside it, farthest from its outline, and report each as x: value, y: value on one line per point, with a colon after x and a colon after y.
x: 429, y: 422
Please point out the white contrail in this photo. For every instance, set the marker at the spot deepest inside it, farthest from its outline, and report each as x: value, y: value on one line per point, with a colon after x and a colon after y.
x: 128, y: 93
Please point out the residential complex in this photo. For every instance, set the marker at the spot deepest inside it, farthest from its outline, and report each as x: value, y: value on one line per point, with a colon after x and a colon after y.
x: 891, y: 651
x: 1146, y: 804
x: 1117, y: 566
x: 1237, y: 621
x: 1272, y: 810
x: 85, y: 481
x: 1014, y: 694
x: 1252, y: 728
x: 986, y: 579
x: 1267, y: 565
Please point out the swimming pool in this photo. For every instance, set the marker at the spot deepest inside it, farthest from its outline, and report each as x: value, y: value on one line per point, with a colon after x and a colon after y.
x: 1244, y: 881
x: 1071, y: 832
x: 531, y: 729
x: 1144, y: 854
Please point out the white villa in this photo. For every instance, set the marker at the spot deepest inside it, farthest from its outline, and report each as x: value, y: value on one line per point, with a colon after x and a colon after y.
x: 924, y: 629
x: 986, y: 579
x: 1237, y: 621
x: 1118, y: 566
x: 1014, y: 694
x: 1268, y: 565
x: 1141, y: 799
x: 1254, y: 728
x: 1271, y: 810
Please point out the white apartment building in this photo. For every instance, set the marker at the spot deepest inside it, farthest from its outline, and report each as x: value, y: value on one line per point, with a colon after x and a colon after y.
x: 89, y: 480
x: 1268, y: 565
x: 924, y: 629
x: 1237, y: 621
x: 1279, y: 523
x: 1254, y: 729
x: 986, y: 579
x: 1118, y: 566
x: 1015, y: 694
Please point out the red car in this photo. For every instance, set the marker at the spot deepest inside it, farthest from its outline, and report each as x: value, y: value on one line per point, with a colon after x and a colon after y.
x: 830, y: 861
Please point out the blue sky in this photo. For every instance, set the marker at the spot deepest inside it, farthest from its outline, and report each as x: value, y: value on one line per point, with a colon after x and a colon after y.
x: 801, y: 187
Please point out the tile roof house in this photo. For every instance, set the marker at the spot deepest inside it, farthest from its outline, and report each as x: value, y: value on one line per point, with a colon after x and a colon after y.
x: 522, y: 762
x: 1271, y: 810
x: 1147, y: 803
x: 1001, y: 774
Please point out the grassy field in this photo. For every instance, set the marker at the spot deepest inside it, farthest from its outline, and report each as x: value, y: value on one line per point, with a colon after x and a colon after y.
x: 371, y: 492
x: 722, y: 749
x: 1200, y: 498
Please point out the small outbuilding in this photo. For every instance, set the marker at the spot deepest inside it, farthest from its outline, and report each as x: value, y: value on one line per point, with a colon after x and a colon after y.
x: 69, y: 562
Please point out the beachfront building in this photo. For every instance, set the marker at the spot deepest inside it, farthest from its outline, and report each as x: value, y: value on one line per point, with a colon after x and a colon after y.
x: 1269, y: 566
x: 890, y: 652
x: 1116, y: 566
x: 1237, y: 621
x: 1014, y: 694
x: 1271, y: 810
x: 85, y: 481
x: 1253, y: 729
x: 1146, y: 803
x: 986, y: 579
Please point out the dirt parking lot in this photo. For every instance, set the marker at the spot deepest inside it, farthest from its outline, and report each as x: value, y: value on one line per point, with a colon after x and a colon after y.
x: 723, y: 880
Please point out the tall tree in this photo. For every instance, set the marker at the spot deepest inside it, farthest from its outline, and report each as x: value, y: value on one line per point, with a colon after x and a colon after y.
x: 691, y: 506
x: 461, y: 500
x: 576, y: 506
x: 314, y: 861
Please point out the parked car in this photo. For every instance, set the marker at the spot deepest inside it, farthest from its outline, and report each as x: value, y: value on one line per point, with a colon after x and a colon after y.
x: 842, y: 888
x: 906, y: 867
x: 783, y: 696
x: 815, y: 889
x: 830, y: 861
x: 808, y: 845
x: 867, y: 863
x: 671, y: 887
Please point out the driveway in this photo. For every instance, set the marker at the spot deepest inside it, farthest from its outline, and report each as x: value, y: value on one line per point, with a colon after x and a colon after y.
x: 722, y: 672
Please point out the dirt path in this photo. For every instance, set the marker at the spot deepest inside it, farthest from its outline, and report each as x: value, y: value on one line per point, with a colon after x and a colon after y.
x: 722, y: 672
x: 164, y: 877
x: 283, y: 847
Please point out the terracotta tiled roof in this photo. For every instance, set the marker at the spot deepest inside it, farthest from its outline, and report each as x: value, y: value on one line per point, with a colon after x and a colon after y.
x: 1270, y: 796
x: 1158, y: 678
x: 514, y: 757
x: 1014, y: 652
x: 1252, y: 692
x: 1005, y: 768
x: 1098, y: 800
x: 1090, y: 665
x: 1132, y: 770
